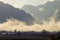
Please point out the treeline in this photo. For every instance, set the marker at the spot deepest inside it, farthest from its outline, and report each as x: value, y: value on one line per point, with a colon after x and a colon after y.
x: 29, y: 33
x: 43, y: 35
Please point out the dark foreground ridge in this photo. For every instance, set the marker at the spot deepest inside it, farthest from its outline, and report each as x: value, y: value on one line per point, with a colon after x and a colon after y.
x: 31, y: 35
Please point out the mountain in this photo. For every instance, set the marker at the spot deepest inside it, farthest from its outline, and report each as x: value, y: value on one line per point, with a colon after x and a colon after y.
x: 7, y: 11
x: 45, y: 11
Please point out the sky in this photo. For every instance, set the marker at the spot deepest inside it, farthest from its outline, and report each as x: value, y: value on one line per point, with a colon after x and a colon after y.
x: 20, y: 3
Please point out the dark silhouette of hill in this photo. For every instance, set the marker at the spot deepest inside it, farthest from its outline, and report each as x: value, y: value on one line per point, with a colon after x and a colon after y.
x: 7, y: 11
x: 44, y: 11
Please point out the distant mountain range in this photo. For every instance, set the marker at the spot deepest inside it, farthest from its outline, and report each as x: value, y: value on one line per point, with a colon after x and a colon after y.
x: 7, y: 11
x: 45, y: 11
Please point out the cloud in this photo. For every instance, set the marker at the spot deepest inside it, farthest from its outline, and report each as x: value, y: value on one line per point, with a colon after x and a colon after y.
x: 12, y: 25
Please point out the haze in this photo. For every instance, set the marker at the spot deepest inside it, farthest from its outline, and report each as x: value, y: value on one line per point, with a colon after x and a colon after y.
x: 20, y: 3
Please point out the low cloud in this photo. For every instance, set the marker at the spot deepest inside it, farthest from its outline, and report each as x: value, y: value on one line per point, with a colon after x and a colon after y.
x: 12, y: 25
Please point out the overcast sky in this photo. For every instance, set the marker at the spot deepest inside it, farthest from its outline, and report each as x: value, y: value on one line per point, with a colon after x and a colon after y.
x: 20, y: 3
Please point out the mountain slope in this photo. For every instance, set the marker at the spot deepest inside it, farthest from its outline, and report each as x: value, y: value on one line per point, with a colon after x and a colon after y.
x: 7, y: 11
x: 45, y: 11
